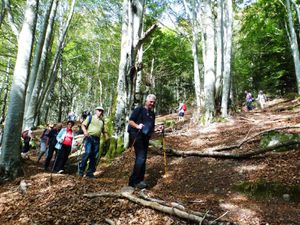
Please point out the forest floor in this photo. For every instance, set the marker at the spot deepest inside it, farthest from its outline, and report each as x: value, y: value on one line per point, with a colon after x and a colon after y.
x: 263, y: 189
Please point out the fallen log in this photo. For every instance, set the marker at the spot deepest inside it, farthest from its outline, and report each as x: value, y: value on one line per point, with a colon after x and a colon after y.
x: 227, y: 155
x: 246, y: 139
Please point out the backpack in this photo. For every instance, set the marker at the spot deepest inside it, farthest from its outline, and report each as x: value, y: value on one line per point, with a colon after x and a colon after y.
x: 25, y: 134
x: 184, y: 107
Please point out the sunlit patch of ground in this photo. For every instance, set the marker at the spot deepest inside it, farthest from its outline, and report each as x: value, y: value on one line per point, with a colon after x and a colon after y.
x: 241, y: 214
x: 249, y: 168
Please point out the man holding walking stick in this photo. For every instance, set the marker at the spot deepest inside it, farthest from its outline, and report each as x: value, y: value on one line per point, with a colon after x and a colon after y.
x: 141, y: 126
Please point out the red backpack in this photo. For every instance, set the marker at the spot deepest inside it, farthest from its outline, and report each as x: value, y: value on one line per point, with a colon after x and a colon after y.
x: 25, y: 134
x: 184, y: 107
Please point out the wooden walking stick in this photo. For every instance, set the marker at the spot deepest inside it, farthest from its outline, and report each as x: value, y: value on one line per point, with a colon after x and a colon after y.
x: 164, y: 149
x: 131, y: 147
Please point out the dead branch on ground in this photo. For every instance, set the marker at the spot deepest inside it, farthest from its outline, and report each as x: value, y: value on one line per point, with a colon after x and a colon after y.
x: 174, y: 211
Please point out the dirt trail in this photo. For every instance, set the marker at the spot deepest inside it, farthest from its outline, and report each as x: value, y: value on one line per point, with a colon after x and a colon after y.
x: 200, y: 184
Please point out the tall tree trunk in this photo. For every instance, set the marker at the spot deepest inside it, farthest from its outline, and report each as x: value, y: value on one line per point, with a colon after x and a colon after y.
x: 228, y: 23
x: 133, y: 12
x: 36, y: 76
x: 220, y: 49
x: 60, y: 93
x: 99, y: 74
x: 10, y: 162
x: 294, y: 44
x: 192, y: 10
x: 208, y: 44
x: 52, y: 73
x: 6, y: 85
x: 297, y: 7
x: 6, y: 9
x: 138, y: 95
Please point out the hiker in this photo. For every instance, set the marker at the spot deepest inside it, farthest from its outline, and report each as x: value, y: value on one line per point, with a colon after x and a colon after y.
x: 181, y: 111
x: 51, y: 142
x: 26, y: 136
x: 261, y: 99
x: 64, y: 145
x: 249, y: 100
x: 84, y: 115
x: 71, y: 116
x: 44, y: 140
x: 140, y: 127
x: 93, y: 127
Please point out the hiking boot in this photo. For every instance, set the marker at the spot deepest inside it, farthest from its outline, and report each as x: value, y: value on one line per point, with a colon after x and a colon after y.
x: 60, y: 171
x: 141, y: 185
x: 91, y: 176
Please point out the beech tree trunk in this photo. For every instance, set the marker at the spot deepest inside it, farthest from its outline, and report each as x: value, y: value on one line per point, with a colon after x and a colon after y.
x: 52, y: 73
x: 228, y: 22
x: 192, y: 9
x: 133, y: 12
x: 294, y: 44
x: 208, y: 50
x: 36, y: 76
x: 6, y: 10
x: 10, y: 160
x: 5, y: 89
x: 220, y: 49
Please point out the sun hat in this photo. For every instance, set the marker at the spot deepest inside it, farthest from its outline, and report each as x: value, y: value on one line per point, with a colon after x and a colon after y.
x: 99, y: 108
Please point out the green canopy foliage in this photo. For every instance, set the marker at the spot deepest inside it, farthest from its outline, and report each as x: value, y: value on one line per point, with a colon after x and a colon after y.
x: 263, y: 58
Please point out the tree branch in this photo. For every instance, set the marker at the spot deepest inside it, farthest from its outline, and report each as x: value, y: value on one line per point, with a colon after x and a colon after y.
x: 146, y: 35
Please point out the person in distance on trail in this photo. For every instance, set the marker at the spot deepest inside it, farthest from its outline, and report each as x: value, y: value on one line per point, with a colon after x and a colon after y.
x: 51, y: 144
x: 92, y: 127
x: 181, y: 111
x: 44, y: 141
x: 249, y: 100
x: 26, y: 136
x: 64, y: 145
x: 261, y: 99
x: 140, y: 127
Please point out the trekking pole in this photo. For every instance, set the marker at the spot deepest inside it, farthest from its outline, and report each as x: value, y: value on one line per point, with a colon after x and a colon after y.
x: 53, y: 166
x: 132, y: 145
x: 164, y: 149
x: 78, y: 157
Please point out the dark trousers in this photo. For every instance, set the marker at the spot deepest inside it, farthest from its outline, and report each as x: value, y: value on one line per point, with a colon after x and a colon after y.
x: 51, y: 150
x: 91, y: 146
x: 26, y: 146
x: 140, y: 147
x: 62, y: 157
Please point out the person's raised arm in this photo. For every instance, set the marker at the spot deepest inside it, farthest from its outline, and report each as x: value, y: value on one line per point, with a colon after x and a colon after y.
x: 135, y: 125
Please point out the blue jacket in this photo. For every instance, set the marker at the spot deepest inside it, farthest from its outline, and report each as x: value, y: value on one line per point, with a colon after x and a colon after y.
x: 61, y: 136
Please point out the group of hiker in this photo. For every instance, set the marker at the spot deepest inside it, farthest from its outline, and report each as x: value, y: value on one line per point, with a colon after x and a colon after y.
x: 261, y: 100
x: 141, y: 125
x: 59, y: 141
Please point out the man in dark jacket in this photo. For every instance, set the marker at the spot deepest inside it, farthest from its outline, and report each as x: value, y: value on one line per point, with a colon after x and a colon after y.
x: 141, y: 126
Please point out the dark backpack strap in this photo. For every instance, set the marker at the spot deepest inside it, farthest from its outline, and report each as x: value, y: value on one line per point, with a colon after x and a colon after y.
x: 89, y: 121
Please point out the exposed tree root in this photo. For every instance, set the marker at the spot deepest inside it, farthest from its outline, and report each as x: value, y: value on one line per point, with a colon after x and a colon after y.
x: 159, y: 205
